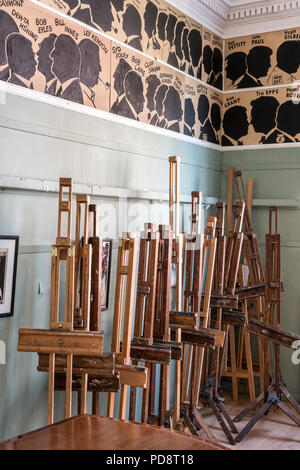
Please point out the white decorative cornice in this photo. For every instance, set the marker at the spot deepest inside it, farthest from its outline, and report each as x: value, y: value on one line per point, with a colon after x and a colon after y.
x: 212, y: 14
x: 230, y: 18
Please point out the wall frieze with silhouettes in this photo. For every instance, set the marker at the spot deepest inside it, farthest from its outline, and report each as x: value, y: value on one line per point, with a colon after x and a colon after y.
x: 44, y: 51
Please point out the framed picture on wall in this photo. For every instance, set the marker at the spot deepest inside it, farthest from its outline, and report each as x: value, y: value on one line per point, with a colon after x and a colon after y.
x: 106, y: 265
x: 9, y: 246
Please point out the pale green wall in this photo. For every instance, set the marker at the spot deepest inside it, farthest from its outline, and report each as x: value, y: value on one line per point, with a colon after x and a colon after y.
x: 46, y: 142
x: 276, y: 174
x: 43, y: 141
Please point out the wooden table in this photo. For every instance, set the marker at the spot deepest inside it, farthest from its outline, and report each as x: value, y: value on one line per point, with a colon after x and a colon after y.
x: 87, y: 432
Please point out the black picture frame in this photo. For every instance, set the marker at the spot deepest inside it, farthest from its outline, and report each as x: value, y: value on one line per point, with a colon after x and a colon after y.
x: 106, y: 268
x: 8, y: 272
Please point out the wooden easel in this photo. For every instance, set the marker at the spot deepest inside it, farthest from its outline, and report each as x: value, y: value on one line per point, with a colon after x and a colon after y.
x: 195, y: 336
x: 234, y: 245
x: 255, y: 288
x: 96, y: 269
x: 233, y: 274
x: 213, y: 365
x: 100, y: 371
x: 144, y: 311
x: 174, y: 207
x: 61, y: 339
x: 95, y: 289
x: 161, y: 332
x: 123, y: 321
x: 273, y: 388
x: 193, y: 282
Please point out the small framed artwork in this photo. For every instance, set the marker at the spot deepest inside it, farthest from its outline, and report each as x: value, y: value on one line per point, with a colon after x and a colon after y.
x: 9, y: 246
x: 106, y: 265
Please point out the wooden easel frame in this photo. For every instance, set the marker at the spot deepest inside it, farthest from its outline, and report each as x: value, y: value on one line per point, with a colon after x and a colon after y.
x: 174, y: 207
x: 273, y: 388
x: 123, y: 322
x: 61, y: 338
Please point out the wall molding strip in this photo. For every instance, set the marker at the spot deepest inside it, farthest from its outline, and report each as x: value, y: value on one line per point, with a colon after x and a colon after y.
x: 21, y: 183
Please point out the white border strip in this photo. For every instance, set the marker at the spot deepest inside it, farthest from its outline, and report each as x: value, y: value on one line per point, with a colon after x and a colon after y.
x: 83, y: 109
x: 240, y: 148
x: 80, y: 108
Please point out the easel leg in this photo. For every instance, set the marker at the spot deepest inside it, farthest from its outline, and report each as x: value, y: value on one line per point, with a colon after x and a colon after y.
x: 249, y: 408
x: 290, y: 398
x: 249, y: 366
x: 68, y: 392
x: 84, y: 382
x: 185, y: 396
x: 95, y: 404
x: 224, y: 411
x: 110, y: 405
x: 235, y: 388
x: 162, y: 395
x: 203, y: 425
x: 253, y: 421
x: 288, y: 412
x: 187, y: 421
x: 221, y: 421
x: 123, y: 402
x: 132, y: 403
x: 51, y: 388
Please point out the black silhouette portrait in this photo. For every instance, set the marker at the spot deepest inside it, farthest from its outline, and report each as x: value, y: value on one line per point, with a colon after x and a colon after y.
x: 170, y: 29
x: 235, y: 125
x: 158, y: 119
x: 101, y: 14
x: 72, y: 4
x: 118, y: 4
x: 178, y: 42
x: 44, y: 60
x: 195, y: 47
x: 189, y: 117
x: 161, y: 25
x: 216, y: 76
x: 263, y: 116
x: 66, y: 68
x: 150, y: 20
x: 207, y: 59
x: 132, y: 26
x: 216, y: 120
x: 288, y: 124
x: 7, y: 27
x: 20, y: 59
x: 287, y: 61
x: 258, y: 63
x: 235, y: 66
x: 90, y: 69
x: 132, y: 104
x: 185, y: 50
x: 117, y: 7
x: 203, y: 108
x: 207, y: 132
x: 80, y: 9
x: 172, y: 109
x: 119, y: 74
x: 153, y: 83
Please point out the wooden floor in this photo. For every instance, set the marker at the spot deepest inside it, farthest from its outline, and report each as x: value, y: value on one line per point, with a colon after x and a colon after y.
x: 273, y: 432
